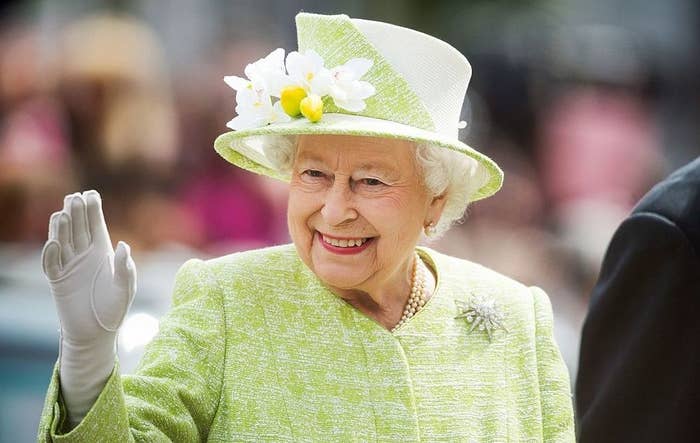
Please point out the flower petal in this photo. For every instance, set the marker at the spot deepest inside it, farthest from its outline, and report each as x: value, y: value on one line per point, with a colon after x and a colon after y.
x: 315, y: 59
x: 277, y: 82
x: 278, y: 114
x: 321, y: 83
x: 307, y: 71
x: 245, y: 98
x: 242, y: 122
x: 338, y: 92
x: 363, y: 89
x: 294, y: 65
x: 358, y: 66
x: 269, y: 71
x: 236, y: 82
x: 275, y: 58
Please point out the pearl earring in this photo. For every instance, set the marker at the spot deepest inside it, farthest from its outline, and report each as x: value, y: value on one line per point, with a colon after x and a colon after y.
x: 430, y: 230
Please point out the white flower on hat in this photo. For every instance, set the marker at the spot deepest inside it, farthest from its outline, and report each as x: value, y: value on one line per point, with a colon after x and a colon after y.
x: 267, y: 72
x: 342, y: 83
x: 301, y: 88
x: 308, y: 71
x: 254, y: 107
x: 347, y: 90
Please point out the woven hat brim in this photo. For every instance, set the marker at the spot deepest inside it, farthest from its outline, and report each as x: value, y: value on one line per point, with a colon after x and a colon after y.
x: 243, y: 149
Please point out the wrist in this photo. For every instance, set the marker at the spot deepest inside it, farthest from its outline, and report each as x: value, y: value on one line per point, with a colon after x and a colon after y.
x: 84, y: 369
x: 86, y: 362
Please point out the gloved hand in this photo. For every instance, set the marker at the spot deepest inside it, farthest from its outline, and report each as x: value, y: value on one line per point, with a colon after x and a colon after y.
x: 93, y: 288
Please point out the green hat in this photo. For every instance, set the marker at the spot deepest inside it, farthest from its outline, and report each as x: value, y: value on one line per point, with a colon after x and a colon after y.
x: 412, y: 87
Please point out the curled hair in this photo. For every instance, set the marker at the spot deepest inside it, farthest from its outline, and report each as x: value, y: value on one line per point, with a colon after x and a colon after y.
x: 443, y: 170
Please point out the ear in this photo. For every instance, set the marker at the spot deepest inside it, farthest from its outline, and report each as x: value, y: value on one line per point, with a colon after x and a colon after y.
x: 435, y: 208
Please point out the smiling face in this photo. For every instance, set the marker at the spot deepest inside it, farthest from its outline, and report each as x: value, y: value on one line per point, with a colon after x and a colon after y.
x: 357, y: 206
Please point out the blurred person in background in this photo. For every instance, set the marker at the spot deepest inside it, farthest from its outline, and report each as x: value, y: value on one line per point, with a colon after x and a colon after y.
x: 639, y: 365
x: 123, y: 127
x: 35, y: 163
x: 212, y: 192
x: 598, y: 144
x: 352, y: 331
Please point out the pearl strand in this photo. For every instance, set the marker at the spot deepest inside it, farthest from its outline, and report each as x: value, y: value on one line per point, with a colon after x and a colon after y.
x: 417, y: 298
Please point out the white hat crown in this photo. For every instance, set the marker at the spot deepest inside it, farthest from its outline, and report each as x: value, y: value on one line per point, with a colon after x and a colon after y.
x: 420, y: 81
x: 437, y: 72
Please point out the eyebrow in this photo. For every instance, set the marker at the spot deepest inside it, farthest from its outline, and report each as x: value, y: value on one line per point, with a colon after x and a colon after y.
x: 310, y: 157
x: 365, y: 167
x: 379, y: 168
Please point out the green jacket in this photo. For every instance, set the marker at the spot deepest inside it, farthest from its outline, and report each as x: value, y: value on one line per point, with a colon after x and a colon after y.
x: 256, y: 349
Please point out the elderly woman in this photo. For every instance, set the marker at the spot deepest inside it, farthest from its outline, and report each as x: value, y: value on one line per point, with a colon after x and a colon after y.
x: 353, y: 333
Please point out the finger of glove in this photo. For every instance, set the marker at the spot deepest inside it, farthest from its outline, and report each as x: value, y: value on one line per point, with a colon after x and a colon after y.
x: 95, y: 216
x: 64, y: 238
x: 131, y: 266
x: 113, y: 305
x: 53, y: 226
x: 124, y: 270
x: 79, y: 223
x: 51, y: 259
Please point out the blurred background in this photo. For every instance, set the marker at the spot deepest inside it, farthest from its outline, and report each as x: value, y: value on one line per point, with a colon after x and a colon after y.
x: 584, y: 104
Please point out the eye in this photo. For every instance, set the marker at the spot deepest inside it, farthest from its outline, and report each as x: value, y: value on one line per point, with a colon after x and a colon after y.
x: 371, y: 182
x: 313, y: 176
x: 313, y: 173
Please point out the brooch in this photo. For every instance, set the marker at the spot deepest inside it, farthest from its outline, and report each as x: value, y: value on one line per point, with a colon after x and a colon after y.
x: 483, y: 314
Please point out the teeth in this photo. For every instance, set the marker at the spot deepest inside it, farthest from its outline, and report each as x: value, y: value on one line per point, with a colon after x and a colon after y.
x: 344, y: 243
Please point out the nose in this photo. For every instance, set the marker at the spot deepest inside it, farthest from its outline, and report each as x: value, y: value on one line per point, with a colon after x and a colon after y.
x: 338, y: 207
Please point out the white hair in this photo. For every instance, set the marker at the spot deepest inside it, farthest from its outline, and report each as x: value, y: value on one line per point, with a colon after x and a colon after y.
x: 444, y: 171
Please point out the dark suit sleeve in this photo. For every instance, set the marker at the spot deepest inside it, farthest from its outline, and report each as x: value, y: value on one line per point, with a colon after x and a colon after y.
x: 639, y: 370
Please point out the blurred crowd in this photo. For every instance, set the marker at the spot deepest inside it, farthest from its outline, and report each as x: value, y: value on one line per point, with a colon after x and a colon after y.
x: 103, y: 113
x: 584, y: 113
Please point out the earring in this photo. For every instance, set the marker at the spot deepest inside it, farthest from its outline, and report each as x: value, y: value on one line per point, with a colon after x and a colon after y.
x: 430, y: 230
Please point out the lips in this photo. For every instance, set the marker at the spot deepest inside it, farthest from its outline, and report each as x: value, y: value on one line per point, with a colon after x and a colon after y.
x: 344, y: 242
x: 346, y: 245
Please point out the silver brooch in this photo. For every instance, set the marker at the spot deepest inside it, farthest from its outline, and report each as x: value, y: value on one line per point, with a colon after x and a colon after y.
x: 483, y: 314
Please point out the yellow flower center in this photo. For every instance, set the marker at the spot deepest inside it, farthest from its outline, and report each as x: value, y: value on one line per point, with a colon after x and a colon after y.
x: 290, y: 99
x: 311, y: 107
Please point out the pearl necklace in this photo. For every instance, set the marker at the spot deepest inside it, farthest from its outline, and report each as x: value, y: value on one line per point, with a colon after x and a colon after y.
x: 417, y: 298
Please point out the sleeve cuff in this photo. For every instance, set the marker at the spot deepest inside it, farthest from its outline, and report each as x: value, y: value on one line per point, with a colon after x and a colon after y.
x: 107, y: 417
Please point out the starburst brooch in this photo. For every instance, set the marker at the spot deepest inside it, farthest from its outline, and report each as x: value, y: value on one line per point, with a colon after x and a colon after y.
x: 482, y: 313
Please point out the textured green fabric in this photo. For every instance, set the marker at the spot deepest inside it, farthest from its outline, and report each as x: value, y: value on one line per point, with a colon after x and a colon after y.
x: 256, y: 349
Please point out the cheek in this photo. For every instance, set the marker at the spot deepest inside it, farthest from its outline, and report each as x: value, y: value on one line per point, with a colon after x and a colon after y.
x: 300, y: 208
x: 399, y: 221
x: 395, y: 214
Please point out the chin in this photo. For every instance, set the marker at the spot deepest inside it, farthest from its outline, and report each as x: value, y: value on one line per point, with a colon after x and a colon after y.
x: 343, y: 272
x: 337, y: 275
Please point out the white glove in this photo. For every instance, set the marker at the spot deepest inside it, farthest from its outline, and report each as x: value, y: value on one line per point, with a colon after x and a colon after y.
x: 93, y: 288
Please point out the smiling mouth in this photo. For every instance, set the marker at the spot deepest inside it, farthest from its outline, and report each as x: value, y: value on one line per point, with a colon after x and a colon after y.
x: 344, y: 242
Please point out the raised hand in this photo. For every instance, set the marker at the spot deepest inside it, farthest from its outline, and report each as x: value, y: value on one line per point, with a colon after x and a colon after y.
x: 93, y: 288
